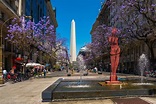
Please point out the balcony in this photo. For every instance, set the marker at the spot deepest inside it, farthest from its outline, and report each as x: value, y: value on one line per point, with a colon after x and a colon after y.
x: 7, y: 8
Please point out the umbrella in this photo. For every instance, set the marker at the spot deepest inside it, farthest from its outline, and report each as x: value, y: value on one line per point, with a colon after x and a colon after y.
x: 32, y: 64
x: 47, y: 65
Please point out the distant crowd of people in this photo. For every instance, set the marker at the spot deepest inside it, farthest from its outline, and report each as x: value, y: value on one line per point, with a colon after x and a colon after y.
x: 20, y: 75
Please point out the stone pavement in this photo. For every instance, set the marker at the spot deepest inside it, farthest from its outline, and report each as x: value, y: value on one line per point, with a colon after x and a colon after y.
x: 29, y: 92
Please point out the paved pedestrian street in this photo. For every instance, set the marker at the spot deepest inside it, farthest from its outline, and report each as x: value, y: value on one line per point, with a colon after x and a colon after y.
x: 29, y: 92
x: 26, y: 92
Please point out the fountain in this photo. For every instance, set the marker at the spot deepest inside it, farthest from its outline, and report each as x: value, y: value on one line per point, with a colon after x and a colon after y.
x: 79, y: 83
x: 143, y: 64
x: 74, y: 89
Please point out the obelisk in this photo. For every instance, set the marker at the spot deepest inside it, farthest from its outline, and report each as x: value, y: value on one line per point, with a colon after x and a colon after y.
x: 72, y: 42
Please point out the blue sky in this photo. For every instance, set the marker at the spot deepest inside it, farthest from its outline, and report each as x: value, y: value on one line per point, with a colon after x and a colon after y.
x: 84, y: 12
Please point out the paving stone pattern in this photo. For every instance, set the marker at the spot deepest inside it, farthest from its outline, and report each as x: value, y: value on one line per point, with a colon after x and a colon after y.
x: 29, y: 92
x: 129, y: 101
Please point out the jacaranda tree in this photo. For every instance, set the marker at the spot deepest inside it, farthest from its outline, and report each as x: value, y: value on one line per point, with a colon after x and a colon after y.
x: 26, y: 35
x: 100, y: 46
x: 49, y: 41
x: 138, y: 19
x: 20, y: 34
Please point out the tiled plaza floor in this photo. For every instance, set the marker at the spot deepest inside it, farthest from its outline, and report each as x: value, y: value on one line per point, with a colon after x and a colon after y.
x: 29, y: 92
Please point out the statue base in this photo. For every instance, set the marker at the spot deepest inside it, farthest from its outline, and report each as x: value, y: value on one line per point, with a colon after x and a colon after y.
x: 113, y: 80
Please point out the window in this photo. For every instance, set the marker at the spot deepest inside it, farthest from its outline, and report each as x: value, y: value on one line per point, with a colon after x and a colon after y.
x: 1, y: 15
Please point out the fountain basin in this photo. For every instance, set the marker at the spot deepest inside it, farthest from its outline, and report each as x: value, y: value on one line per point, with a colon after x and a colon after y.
x: 138, y: 84
x: 64, y: 89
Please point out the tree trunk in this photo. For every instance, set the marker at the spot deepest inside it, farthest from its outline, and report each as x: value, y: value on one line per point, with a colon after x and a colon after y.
x: 150, y: 47
x: 152, y: 53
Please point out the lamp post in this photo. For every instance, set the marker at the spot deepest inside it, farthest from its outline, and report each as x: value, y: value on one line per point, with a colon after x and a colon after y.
x: 1, y: 50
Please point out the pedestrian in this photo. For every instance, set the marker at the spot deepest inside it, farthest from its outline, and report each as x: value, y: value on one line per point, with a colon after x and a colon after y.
x: 5, y: 74
x: 35, y: 72
x: 19, y: 75
x: 12, y: 72
x: 44, y: 72
x: 95, y: 69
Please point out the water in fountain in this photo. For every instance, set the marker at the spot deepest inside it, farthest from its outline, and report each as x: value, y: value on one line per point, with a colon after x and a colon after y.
x: 143, y: 64
x: 81, y: 66
x: 78, y: 86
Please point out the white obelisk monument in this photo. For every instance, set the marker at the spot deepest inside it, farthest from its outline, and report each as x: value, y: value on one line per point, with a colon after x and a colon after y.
x: 72, y: 42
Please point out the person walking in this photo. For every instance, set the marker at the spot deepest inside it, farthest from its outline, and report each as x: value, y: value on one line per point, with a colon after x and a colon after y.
x: 95, y: 69
x: 4, y: 75
x: 44, y: 72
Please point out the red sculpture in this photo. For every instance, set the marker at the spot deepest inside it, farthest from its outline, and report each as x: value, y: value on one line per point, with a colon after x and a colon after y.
x: 114, y: 56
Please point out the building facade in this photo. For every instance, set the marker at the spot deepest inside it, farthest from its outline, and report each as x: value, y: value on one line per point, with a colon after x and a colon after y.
x: 38, y: 9
x: 10, y: 9
x: 35, y: 8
